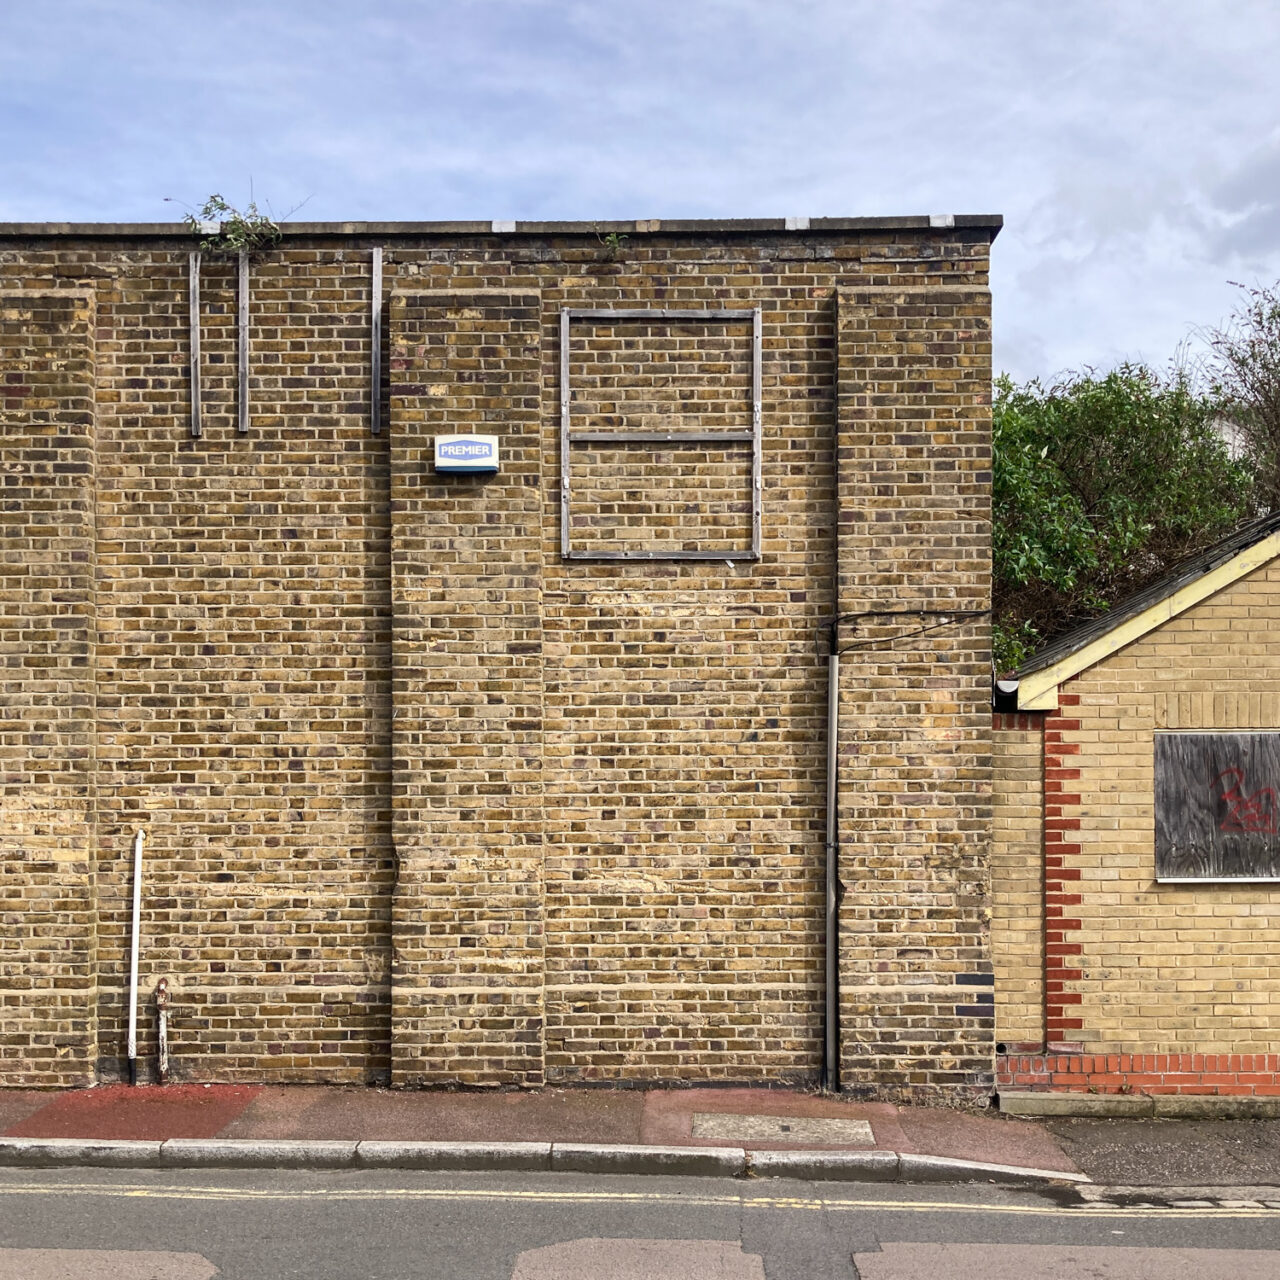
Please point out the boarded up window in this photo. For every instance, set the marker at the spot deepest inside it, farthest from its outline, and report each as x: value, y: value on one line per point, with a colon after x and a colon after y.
x: 1215, y: 797
x: 660, y: 434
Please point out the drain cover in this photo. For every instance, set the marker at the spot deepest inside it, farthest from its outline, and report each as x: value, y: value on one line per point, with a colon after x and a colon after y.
x: 805, y: 1130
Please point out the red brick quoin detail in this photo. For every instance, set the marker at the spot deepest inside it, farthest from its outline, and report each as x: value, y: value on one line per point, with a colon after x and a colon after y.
x: 1228, y: 1074
x: 1061, y: 879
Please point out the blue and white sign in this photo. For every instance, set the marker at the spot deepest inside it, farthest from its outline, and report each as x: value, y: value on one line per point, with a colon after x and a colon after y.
x: 470, y: 455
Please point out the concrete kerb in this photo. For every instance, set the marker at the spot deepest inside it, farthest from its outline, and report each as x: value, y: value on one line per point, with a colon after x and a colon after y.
x: 582, y: 1157
x: 916, y: 1168
x: 534, y: 1157
x: 527, y: 1156
x: 1163, y: 1106
x: 255, y: 1153
x: 825, y: 1166
x: 106, y: 1153
x: 1192, y: 1106
x: 1077, y: 1104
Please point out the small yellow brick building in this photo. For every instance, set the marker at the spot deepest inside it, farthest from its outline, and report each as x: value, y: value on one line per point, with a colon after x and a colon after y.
x: 1135, y: 902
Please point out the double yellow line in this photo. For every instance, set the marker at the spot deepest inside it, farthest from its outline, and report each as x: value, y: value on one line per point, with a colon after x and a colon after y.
x: 142, y: 1191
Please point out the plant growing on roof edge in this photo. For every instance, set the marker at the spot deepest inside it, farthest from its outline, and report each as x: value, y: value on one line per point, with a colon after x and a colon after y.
x: 612, y: 245
x: 246, y: 230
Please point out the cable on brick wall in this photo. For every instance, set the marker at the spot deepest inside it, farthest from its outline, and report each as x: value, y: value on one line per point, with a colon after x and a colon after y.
x: 946, y: 618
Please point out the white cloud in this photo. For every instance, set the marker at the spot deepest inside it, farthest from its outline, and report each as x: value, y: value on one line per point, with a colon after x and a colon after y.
x: 1131, y: 144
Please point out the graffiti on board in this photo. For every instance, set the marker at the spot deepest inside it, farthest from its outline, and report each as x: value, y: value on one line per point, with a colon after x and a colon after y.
x: 1215, y: 800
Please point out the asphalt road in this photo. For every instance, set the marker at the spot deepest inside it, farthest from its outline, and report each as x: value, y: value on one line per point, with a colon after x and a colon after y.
x: 85, y: 1224
x: 1182, y: 1153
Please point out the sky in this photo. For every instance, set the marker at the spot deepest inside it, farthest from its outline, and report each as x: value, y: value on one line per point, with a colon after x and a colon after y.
x: 1133, y: 146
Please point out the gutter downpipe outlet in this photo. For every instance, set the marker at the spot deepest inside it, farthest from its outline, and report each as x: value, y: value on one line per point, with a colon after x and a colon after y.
x: 831, y: 930
x: 138, y: 840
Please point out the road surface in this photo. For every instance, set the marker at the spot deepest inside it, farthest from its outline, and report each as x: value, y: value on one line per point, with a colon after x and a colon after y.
x: 96, y: 1224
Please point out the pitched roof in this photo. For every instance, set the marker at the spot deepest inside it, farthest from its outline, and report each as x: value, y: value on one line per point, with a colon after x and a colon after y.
x: 1195, y: 579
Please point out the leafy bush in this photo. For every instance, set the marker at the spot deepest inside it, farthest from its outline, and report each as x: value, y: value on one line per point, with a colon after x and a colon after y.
x: 1101, y: 484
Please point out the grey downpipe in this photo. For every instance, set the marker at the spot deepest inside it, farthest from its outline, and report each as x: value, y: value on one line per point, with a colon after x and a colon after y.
x: 831, y: 921
x: 138, y: 839
x: 831, y: 932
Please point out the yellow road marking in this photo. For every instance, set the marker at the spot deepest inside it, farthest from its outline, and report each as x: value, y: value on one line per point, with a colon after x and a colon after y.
x: 139, y: 1191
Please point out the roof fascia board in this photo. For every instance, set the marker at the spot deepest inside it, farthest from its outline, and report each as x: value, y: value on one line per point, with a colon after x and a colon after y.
x: 1038, y: 691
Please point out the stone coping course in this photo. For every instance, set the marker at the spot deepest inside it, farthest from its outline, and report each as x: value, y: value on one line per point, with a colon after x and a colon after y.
x: 638, y: 227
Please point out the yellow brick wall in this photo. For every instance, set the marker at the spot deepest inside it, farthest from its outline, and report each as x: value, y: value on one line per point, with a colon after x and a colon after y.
x: 914, y: 513
x: 1174, y: 967
x: 48, y: 924
x: 424, y: 799
x: 1017, y: 885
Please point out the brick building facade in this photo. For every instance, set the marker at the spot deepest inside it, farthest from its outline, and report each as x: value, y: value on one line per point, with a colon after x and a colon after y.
x: 462, y: 779
x: 1115, y: 974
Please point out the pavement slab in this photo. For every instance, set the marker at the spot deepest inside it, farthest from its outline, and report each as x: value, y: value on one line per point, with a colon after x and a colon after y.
x: 669, y: 1116
x: 800, y: 1131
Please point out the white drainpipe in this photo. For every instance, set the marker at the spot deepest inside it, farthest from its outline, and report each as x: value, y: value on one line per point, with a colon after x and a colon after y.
x: 138, y: 839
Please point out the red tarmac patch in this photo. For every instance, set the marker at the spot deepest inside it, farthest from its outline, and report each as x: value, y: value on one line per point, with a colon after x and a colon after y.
x: 145, y: 1112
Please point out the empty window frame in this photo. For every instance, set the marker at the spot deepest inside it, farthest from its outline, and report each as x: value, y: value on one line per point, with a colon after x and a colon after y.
x: 648, y: 440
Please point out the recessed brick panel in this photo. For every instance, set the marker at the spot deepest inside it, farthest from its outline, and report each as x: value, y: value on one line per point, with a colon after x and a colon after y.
x: 468, y: 729
x: 657, y: 498
x: 48, y: 461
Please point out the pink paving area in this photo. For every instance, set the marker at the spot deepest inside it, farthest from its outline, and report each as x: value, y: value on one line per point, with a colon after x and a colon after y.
x: 148, y: 1111
x: 662, y: 1116
x: 936, y: 1131
x: 412, y: 1115
x: 993, y: 1139
x: 18, y: 1104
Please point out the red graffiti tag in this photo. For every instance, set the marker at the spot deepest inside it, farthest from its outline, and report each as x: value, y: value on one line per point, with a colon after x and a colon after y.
x: 1256, y: 812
